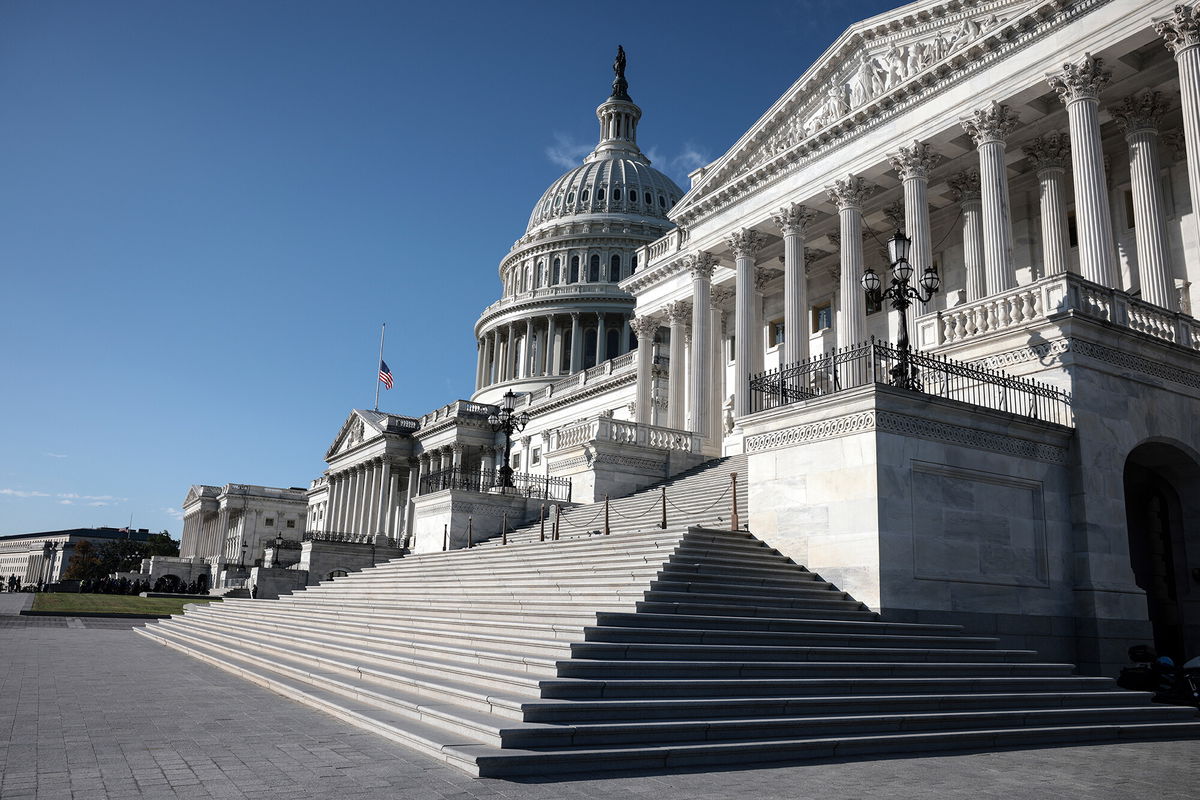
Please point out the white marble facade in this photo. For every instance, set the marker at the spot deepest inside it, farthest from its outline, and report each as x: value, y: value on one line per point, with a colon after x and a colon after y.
x: 1036, y: 153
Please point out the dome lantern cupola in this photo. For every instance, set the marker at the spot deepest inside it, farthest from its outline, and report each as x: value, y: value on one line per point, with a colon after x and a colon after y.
x: 618, y: 117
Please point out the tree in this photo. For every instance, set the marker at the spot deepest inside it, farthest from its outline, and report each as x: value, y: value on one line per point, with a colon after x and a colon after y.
x: 85, y: 563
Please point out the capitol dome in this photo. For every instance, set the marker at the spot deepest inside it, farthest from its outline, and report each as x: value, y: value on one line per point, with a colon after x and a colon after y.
x: 616, y: 184
x: 561, y: 309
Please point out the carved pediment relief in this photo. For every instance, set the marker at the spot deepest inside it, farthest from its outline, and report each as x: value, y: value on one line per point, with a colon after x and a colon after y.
x: 354, y: 432
x: 870, y: 61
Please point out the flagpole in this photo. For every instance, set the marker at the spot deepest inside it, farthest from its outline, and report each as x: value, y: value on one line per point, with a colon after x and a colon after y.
x: 378, y: 367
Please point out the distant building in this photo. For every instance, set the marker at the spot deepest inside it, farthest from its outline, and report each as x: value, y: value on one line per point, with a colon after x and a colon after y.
x: 44, y: 557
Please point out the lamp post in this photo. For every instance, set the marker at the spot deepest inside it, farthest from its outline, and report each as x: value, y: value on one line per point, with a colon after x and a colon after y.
x: 904, y: 374
x: 505, y: 420
x: 278, y: 547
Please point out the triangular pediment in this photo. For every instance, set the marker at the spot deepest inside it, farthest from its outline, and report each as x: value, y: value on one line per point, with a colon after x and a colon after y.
x: 359, y: 427
x: 869, y: 62
x: 199, y: 490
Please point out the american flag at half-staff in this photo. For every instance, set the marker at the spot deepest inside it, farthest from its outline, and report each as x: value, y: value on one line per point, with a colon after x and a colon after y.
x: 385, y: 374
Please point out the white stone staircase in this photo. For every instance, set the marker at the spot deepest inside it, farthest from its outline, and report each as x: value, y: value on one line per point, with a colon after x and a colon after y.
x: 657, y: 649
x: 700, y: 496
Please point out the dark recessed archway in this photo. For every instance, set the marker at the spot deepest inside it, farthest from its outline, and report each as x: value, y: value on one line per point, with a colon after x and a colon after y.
x: 1162, y: 511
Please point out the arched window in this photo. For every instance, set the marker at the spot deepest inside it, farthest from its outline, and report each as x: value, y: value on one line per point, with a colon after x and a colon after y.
x: 649, y: 199
x: 662, y: 201
x: 633, y: 263
x: 583, y: 198
x: 612, y: 342
x: 574, y: 269
x: 600, y: 194
x: 570, y: 198
x: 594, y: 269
x: 614, y: 268
x: 556, y: 272
x: 558, y: 201
x: 617, y: 195
x: 539, y: 275
x: 589, y: 348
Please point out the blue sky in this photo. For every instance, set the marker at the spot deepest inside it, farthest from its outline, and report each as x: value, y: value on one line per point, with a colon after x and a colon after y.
x: 208, y: 208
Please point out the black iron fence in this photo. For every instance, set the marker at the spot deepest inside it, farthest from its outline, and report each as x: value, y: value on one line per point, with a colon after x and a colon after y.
x: 879, y: 362
x: 542, y: 487
x: 350, y: 538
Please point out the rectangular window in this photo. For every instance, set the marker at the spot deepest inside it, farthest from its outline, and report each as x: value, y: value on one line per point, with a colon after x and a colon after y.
x: 822, y: 317
x: 776, y: 333
x: 269, y: 522
x: 516, y: 461
x: 535, y: 457
x: 291, y: 523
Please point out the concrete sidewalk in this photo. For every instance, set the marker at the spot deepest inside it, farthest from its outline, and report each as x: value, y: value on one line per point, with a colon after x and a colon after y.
x: 100, y: 713
x: 12, y: 603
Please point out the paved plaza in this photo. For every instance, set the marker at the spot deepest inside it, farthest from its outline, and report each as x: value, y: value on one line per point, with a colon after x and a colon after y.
x: 90, y: 710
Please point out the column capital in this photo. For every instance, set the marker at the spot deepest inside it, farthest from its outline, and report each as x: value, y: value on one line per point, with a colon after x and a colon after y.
x: 813, y: 255
x: 849, y: 193
x: 914, y: 161
x: 721, y: 297
x: 793, y: 219
x: 644, y: 327
x: 763, y: 276
x: 966, y: 186
x: 575, y: 315
x: 745, y: 242
x: 1051, y: 150
x: 1140, y: 112
x: 1081, y: 81
x: 701, y: 265
x: 679, y: 312
x: 895, y: 215
x: 457, y: 447
x: 1180, y: 31
x: 991, y: 124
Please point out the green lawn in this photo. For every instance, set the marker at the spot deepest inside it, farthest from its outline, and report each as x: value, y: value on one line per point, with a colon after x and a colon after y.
x: 111, y: 603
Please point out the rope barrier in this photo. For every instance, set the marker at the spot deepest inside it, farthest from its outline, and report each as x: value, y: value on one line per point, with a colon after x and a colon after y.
x: 704, y: 510
x: 584, y: 527
x: 653, y: 505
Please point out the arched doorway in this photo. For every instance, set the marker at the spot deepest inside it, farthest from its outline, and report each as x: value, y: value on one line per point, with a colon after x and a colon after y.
x: 1162, y: 512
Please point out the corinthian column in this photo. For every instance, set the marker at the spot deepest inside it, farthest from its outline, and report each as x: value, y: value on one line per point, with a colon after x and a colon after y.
x: 1049, y: 154
x: 849, y: 196
x: 745, y: 245
x: 678, y: 313
x: 1181, y: 35
x: 644, y: 328
x: 913, y: 165
x: 700, y: 374
x: 1078, y: 86
x: 1139, y: 116
x: 576, y: 344
x: 966, y: 190
x: 988, y: 128
x: 793, y: 221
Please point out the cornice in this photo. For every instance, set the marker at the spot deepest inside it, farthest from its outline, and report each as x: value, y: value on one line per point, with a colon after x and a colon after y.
x: 725, y: 186
x: 619, y: 301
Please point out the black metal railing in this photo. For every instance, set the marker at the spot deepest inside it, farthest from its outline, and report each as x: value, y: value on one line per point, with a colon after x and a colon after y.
x: 350, y: 538
x: 879, y: 362
x: 542, y: 487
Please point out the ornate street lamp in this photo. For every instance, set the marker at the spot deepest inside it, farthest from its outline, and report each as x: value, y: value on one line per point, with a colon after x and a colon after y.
x: 904, y: 374
x: 278, y: 547
x: 505, y: 420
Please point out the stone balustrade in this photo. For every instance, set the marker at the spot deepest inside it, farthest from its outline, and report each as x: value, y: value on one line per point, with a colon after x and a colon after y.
x: 614, y: 366
x: 557, y: 292
x: 607, y: 429
x: 1055, y: 295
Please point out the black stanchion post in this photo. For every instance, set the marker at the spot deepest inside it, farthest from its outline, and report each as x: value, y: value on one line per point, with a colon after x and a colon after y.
x: 445, y: 538
x: 606, y: 515
x: 734, y: 522
x: 504, y: 528
x: 542, y: 522
x: 663, y: 525
x: 470, y: 532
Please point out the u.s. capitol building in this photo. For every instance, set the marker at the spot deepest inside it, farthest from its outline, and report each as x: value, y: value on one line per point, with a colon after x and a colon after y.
x: 1030, y: 469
